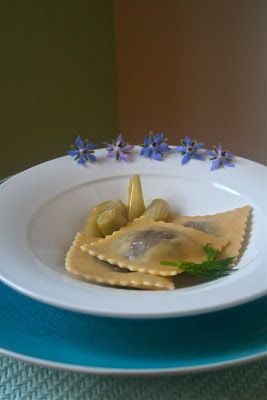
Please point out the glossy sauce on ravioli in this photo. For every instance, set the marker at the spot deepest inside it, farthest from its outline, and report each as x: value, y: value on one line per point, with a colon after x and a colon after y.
x: 146, y: 239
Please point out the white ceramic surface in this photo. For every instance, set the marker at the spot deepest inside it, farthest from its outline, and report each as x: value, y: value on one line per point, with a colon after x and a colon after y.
x: 41, y: 210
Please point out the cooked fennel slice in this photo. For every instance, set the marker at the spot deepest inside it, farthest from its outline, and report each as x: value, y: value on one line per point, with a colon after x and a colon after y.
x: 110, y: 220
x: 136, y: 204
x: 92, y: 228
x: 158, y: 210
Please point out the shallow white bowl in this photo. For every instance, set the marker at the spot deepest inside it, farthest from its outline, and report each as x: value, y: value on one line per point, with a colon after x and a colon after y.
x: 41, y: 210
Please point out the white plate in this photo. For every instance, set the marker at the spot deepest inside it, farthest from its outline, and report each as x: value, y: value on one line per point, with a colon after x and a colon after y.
x: 42, y: 208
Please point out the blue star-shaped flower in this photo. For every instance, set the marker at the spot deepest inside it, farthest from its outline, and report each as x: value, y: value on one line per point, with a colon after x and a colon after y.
x: 220, y: 158
x: 189, y: 149
x: 118, y: 149
x: 155, y: 146
x: 82, y: 151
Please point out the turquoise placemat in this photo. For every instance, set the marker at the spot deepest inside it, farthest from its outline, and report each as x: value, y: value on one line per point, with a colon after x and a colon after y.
x: 21, y: 381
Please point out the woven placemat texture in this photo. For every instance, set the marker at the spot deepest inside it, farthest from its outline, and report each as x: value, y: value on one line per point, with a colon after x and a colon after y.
x: 21, y: 381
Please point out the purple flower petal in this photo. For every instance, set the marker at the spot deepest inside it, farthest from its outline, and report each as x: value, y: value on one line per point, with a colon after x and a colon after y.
x: 148, y: 140
x: 110, y: 146
x: 228, y: 163
x: 229, y: 155
x: 180, y: 148
x: 163, y: 147
x: 91, y: 157
x: 216, y: 164
x: 186, y: 158
x: 146, y: 152
x: 73, y: 153
x: 111, y: 153
x: 187, y: 140
x: 79, y: 142
x: 119, y: 140
x: 159, y: 137
x: 157, y: 156
x: 91, y: 146
x: 211, y: 153
x: 81, y: 161
x: 198, y: 146
x: 128, y: 147
x: 197, y: 156
x: 124, y: 156
x: 219, y: 148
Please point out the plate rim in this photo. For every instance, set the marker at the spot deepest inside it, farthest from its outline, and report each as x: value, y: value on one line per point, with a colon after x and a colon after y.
x: 133, y: 371
x: 159, y: 315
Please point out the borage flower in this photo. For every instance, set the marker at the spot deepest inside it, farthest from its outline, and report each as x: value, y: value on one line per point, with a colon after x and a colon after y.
x: 82, y: 151
x: 155, y: 146
x: 189, y: 149
x: 220, y: 158
x: 119, y: 149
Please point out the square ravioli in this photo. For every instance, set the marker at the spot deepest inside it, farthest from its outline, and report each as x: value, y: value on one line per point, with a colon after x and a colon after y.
x: 231, y: 225
x: 79, y: 263
x: 143, y: 244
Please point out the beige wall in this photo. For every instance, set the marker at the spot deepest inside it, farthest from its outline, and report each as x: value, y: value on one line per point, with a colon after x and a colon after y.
x: 194, y: 67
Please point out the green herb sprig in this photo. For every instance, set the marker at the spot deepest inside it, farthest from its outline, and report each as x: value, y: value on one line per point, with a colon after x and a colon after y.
x: 207, y: 270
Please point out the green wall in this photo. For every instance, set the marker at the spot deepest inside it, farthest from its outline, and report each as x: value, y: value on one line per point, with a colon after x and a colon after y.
x: 57, y: 78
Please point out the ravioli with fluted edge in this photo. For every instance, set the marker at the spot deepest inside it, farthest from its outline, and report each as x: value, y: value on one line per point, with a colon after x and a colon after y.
x: 143, y: 243
x: 231, y: 225
x: 81, y: 264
